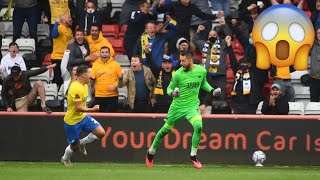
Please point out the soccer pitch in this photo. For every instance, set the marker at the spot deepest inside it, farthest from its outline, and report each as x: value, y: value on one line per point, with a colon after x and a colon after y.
x: 110, y: 171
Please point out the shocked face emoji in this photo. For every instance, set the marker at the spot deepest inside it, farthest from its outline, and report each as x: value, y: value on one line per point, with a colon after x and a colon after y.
x: 283, y: 36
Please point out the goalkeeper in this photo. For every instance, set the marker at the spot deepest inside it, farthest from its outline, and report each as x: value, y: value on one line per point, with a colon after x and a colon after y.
x: 184, y: 87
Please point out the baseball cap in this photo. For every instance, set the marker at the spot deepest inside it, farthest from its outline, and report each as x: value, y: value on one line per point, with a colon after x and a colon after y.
x: 276, y: 85
x: 166, y: 58
x: 15, y: 70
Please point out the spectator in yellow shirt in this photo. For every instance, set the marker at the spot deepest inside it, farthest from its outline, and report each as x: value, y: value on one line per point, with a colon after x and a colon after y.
x: 62, y: 34
x: 105, y: 73
x: 96, y: 41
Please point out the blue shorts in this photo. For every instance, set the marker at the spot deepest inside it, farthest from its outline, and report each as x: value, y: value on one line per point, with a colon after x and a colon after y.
x: 88, y: 124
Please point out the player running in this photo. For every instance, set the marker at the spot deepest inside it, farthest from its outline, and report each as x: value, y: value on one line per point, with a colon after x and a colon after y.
x: 184, y: 87
x: 76, y: 118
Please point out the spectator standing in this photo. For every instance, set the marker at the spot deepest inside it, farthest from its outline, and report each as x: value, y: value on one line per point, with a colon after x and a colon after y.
x: 246, y: 91
x: 315, y: 69
x: 105, y: 73
x: 88, y: 16
x: 156, y: 41
x: 315, y: 15
x: 163, y: 76
x: 182, y: 11
x: 79, y: 51
x: 141, y: 84
x: 25, y: 10
x: 62, y: 35
x: 12, y: 59
x: 214, y: 57
x: 221, y: 5
x: 96, y: 41
x: 275, y: 104
x: 136, y: 26
x: 17, y: 92
x: 57, y: 9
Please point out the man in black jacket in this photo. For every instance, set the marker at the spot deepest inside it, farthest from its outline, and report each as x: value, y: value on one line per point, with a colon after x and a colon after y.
x: 247, y: 88
x: 17, y: 92
x: 182, y: 11
x: 276, y: 104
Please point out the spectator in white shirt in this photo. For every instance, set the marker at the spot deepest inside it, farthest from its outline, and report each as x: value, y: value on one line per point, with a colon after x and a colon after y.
x: 12, y: 59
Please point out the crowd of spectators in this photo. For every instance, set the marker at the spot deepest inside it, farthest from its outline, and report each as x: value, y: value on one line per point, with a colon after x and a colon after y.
x: 153, y: 49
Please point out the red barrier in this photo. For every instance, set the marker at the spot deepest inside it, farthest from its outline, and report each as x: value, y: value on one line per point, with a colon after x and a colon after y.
x: 155, y: 115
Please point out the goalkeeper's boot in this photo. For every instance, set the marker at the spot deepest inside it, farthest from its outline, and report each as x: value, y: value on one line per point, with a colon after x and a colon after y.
x: 66, y: 162
x: 196, y: 163
x: 82, y: 148
x: 149, y: 159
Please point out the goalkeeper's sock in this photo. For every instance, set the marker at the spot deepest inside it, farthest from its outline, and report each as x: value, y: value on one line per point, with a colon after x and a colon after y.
x: 88, y: 139
x: 67, y: 153
x: 197, y: 130
x: 152, y: 151
x: 193, y: 151
x: 159, y: 137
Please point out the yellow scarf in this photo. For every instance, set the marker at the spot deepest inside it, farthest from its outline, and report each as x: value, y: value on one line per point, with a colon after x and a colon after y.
x: 144, y: 41
x: 8, y: 14
x: 159, y: 88
x: 246, y: 83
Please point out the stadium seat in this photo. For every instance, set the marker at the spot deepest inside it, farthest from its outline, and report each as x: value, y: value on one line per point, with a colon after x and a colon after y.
x: 110, y: 30
x: 51, y: 91
x: 5, y: 46
x: 117, y: 45
x: 47, y: 60
x: 312, y: 108
x: 296, y: 108
x: 9, y: 30
x: 44, y: 77
x: 259, y: 108
x: 301, y: 92
x: 31, y: 60
x: 237, y: 47
x: 43, y: 31
x: 122, y: 31
x: 26, y: 45
x: 2, y: 28
x: 122, y: 60
x: 230, y: 75
x: 296, y: 75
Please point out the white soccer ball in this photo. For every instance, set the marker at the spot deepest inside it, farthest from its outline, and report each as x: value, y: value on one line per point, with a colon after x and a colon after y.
x: 259, y: 157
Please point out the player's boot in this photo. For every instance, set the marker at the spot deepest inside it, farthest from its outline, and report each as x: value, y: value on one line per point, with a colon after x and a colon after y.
x: 196, y: 163
x: 82, y: 149
x: 149, y: 159
x: 66, y: 162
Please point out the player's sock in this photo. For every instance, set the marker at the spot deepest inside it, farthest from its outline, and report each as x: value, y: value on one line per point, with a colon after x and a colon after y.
x: 159, y: 137
x: 193, y: 151
x: 197, y: 130
x: 67, y: 153
x: 88, y: 139
x: 151, y: 151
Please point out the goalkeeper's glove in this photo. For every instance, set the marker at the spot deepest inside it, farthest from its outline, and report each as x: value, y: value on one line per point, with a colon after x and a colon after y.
x: 175, y: 92
x: 216, y: 92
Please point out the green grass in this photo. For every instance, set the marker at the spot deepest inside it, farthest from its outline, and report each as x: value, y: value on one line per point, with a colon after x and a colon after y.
x: 110, y: 171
